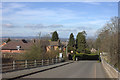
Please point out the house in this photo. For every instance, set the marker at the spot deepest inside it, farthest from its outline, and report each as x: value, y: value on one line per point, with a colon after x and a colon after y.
x: 16, y: 46
x: 93, y: 50
x: 20, y: 46
x: 54, y: 45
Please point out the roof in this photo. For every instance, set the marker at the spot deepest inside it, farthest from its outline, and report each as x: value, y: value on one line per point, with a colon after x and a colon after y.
x: 56, y: 43
x: 42, y: 42
x: 13, y: 45
x: 53, y: 43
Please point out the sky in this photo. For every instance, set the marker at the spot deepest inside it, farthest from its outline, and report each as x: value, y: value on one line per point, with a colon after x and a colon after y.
x: 30, y: 18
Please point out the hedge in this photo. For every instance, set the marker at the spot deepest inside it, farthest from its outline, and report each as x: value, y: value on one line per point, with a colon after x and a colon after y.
x: 83, y: 56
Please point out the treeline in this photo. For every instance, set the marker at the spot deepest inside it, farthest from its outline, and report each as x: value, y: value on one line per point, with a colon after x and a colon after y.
x: 79, y: 45
x: 108, y: 41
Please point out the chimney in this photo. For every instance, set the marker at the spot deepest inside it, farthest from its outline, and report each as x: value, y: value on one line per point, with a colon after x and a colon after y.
x: 33, y: 40
x: 59, y: 44
x: 18, y: 47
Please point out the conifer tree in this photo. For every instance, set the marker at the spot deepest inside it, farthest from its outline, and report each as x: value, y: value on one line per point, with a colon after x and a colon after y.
x: 55, y: 36
x: 81, y: 42
x: 71, y: 43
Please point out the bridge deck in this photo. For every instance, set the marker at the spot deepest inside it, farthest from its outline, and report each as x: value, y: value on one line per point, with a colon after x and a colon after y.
x: 79, y: 69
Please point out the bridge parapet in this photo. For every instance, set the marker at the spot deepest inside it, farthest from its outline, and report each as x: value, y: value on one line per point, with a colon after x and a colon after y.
x: 111, y: 71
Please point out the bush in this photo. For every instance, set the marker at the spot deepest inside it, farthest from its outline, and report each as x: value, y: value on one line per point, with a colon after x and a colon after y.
x: 87, y: 51
x: 51, y: 54
x: 83, y: 56
x: 70, y: 57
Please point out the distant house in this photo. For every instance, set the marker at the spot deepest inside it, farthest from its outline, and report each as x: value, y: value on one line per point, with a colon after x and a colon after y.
x: 54, y: 45
x: 93, y: 50
x: 16, y: 46
x: 20, y: 46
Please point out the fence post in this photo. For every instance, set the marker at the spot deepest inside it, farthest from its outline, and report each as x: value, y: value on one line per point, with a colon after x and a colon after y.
x: 35, y: 64
x: 13, y: 65
x: 59, y: 60
x: 56, y: 60
x: 52, y: 61
x: 42, y: 62
x: 26, y: 66
x: 48, y: 61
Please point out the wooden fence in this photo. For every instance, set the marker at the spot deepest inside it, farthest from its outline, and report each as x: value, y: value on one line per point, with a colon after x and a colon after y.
x: 25, y: 64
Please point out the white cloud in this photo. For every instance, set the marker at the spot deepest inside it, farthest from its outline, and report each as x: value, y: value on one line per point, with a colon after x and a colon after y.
x: 8, y: 25
x: 87, y: 24
x: 56, y: 26
x: 93, y: 3
x: 68, y: 30
x: 40, y: 14
x: 12, y: 6
x: 96, y: 22
x: 41, y: 26
x: 50, y: 18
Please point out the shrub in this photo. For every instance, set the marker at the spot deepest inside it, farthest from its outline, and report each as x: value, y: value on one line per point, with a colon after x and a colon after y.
x: 70, y: 57
x: 83, y: 56
x: 87, y: 51
x: 51, y: 54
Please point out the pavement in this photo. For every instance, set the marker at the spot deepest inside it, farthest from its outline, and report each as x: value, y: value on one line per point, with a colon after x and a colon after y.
x: 26, y: 72
x: 77, y: 69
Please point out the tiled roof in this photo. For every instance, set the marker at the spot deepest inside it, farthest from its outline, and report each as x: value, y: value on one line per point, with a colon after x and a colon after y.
x: 56, y: 43
x: 26, y: 45
x: 53, y: 43
x: 13, y: 45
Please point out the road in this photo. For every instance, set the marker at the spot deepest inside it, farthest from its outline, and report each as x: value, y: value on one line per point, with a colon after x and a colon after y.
x: 78, y: 69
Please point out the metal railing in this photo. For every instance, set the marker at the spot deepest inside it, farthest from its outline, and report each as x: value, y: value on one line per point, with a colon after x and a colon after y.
x: 26, y: 64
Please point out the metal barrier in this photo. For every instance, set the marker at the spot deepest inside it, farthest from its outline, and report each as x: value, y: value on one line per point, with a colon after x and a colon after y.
x: 25, y: 64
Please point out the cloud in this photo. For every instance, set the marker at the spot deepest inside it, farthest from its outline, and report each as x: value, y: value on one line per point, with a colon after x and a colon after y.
x: 13, y: 5
x: 8, y: 25
x: 10, y: 7
x: 35, y: 26
x: 55, y: 26
x: 96, y: 21
x: 68, y: 30
x: 51, y: 18
x: 84, y: 28
x: 22, y: 12
x: 93, y: 3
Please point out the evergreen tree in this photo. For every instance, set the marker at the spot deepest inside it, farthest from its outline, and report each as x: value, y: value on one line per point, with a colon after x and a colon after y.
x: 81, y: 42
x: 55, y: 36
x: 71, y: 43
x: 71, y: 40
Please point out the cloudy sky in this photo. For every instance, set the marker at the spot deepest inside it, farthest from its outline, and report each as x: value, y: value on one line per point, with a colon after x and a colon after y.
x: 30, y: 18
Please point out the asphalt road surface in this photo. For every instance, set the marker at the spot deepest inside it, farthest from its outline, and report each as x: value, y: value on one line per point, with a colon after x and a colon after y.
x: 78, y: 69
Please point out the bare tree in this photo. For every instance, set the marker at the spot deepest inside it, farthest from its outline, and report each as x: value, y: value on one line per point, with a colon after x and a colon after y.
x: 107, y: 40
